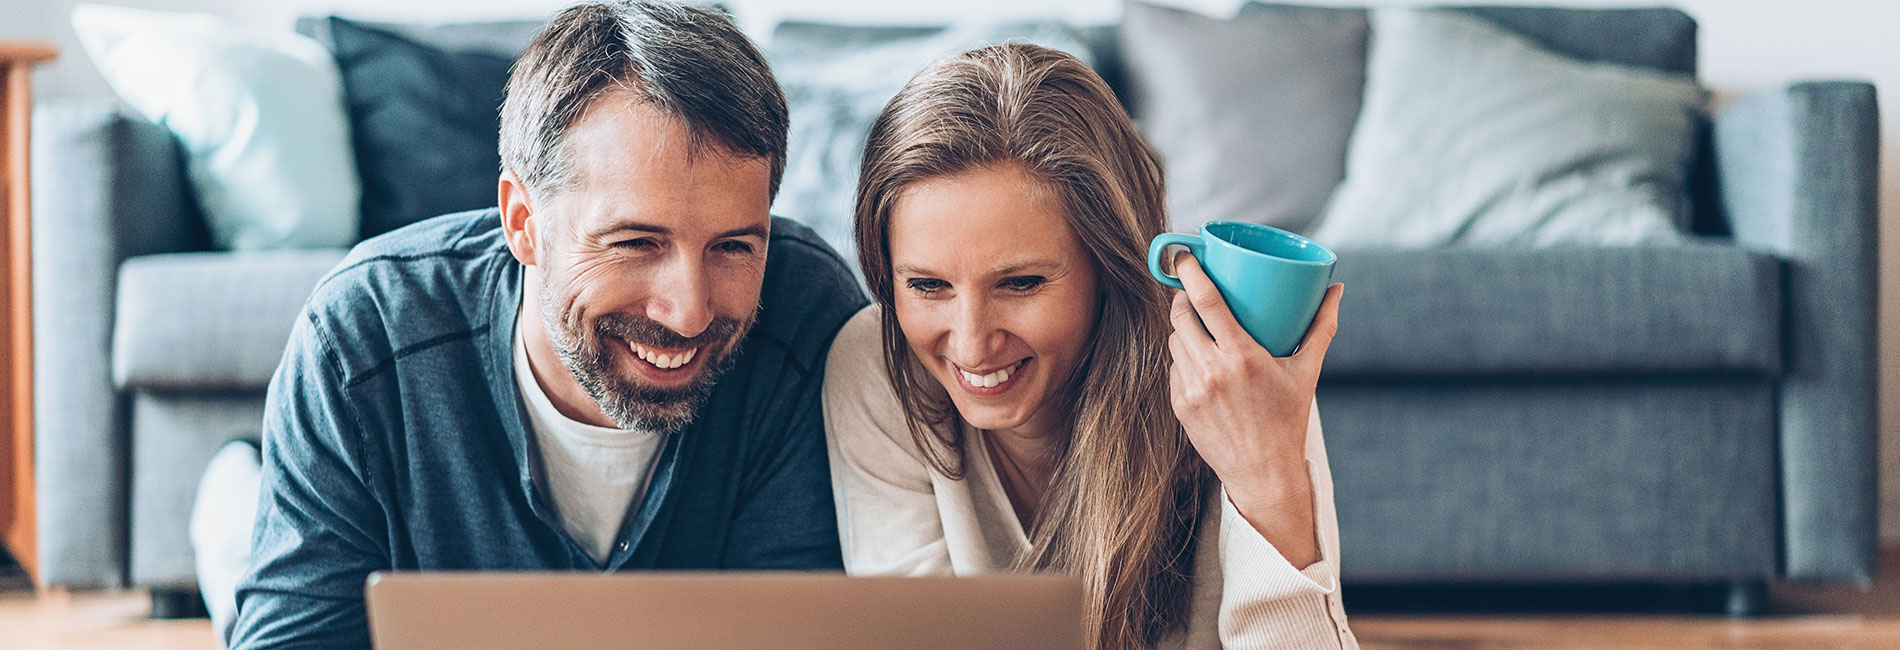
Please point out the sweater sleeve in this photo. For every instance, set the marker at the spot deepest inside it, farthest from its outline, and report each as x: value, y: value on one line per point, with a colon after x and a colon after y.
x: 888, y: 519
x: 1265, y: 601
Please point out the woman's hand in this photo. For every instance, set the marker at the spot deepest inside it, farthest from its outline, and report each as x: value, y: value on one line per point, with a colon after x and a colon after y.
x: 1246, y: 411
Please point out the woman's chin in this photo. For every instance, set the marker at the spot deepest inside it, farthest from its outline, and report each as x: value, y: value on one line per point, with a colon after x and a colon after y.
x: 990, y: 418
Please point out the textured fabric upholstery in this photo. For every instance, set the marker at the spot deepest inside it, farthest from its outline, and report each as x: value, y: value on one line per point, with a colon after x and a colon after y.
x: 210, y: 321
x: 1659, y: 39
x: 174, y: 435
x: 106, y: 186
x: 1250, y: 116
x: 1506, y: 480
x: 1712, y: 309
x: 1798, y: 178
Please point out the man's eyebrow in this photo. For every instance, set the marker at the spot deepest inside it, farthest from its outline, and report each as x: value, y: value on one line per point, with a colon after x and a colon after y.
x: 617, y: 226
x: 749, y: 231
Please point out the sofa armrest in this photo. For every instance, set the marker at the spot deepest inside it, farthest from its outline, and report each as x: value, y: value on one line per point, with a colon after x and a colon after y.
x: 106, y: 186
x: 1797, y: 176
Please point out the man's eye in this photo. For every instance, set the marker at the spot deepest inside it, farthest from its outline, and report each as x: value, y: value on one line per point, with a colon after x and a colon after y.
x: 734, y: 247
x: 926, y: 286
x: 641, y: 244
x: 1024, y: 283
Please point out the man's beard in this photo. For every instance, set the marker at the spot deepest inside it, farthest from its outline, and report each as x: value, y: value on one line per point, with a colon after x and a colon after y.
x: 630, y: 401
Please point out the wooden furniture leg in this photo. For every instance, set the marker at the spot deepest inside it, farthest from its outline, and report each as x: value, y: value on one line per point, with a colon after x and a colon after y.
x: 17, y: 515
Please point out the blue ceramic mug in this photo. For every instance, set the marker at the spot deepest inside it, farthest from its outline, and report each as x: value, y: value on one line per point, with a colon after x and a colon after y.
x: 1272, y: 280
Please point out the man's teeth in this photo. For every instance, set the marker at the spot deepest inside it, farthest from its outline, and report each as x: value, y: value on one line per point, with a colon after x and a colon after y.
x: 990, y: 380
x: 661, y: 360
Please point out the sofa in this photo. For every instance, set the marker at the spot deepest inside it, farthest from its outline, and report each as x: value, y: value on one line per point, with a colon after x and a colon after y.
x: 1694, y: 414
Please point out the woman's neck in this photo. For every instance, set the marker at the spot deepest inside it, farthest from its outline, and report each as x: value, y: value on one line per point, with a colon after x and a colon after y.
x: 1025, y: 461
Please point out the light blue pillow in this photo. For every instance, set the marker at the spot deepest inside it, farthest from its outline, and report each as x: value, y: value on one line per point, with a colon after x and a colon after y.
x: 1473, y: 136
x: 835, y: 93
x: 260, y: 116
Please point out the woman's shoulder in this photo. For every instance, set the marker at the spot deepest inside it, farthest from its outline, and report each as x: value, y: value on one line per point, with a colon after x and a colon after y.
x: 855, y: 362
x: 860, y: 406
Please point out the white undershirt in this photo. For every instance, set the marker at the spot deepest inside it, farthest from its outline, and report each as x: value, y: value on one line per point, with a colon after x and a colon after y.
x: 595, y: 473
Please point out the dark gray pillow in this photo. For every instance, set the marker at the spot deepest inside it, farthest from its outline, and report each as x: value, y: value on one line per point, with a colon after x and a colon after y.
x: 1250, y: 115
x: 424, y: 122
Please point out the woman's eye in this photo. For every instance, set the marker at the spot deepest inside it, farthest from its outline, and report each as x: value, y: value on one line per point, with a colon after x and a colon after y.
x: 926, y: 286
x: 1024, y: 283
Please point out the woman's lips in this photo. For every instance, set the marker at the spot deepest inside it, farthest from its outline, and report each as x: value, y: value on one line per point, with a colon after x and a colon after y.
x: 992, y: 383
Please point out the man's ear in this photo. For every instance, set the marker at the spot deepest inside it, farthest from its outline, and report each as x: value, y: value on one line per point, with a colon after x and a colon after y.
x: 517, y: 217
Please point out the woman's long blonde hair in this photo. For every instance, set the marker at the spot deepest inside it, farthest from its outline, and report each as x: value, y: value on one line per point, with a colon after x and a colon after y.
x: 1128, y: 488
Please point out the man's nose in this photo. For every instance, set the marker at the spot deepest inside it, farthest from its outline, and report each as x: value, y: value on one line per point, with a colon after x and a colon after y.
x: 682, y: 301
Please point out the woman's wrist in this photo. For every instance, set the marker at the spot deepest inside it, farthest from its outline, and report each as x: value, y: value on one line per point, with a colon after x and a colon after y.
x: 1279, y: 506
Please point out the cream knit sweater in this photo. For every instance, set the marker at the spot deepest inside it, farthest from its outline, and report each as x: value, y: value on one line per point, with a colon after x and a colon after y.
x: 898, y: 516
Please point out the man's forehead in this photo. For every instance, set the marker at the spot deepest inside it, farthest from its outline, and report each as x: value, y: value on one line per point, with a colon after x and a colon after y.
x: 637, y: 126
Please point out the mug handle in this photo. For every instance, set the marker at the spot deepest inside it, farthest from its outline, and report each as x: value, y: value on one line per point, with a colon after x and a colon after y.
x: 1161, y: 243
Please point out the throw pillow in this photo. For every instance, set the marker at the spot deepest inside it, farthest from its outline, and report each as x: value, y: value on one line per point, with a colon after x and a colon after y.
x: 1250, y: 115
x: 425, y: 122
x: 834, y: 94
x: 259, y: 116
x: 1474, y: 136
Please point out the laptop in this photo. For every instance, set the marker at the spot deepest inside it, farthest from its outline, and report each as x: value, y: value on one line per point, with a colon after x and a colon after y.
x: 721, y: 611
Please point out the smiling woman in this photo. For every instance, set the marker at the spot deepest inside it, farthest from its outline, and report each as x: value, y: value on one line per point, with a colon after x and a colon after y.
x: 1022, y: 397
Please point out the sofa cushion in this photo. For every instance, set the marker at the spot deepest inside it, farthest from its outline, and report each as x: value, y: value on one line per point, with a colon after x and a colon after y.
x: 1520, y: 146
x: 1707, y: 309
x: 258, y: 114
x: 210, y: 321
x: 1249, y: 115
x: 1658, y: 38
x: 423, y: 122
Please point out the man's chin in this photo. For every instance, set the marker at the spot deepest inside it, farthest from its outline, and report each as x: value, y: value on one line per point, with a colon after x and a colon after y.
x: 665, y: 403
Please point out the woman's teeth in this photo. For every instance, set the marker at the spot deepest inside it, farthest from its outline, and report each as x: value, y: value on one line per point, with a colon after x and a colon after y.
x: 990, y: 380
x: 662, y: 360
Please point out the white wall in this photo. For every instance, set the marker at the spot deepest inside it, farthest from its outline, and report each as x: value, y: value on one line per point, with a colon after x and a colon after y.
x: 1746, y: 45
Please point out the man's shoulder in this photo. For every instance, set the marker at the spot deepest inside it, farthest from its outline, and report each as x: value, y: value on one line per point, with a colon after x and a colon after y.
x: 438, y: 276
x: 809, y: 293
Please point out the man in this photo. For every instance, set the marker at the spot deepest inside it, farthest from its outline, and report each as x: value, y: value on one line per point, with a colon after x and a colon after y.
x: 617, y: 369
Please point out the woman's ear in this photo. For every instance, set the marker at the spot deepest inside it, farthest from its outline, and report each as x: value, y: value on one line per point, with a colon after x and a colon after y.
x: 517, y: 217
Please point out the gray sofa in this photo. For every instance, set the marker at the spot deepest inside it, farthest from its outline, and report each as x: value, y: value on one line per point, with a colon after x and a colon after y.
x: 1700, y: 414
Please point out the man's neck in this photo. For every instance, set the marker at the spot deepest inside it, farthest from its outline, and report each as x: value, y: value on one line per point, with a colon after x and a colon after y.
x: 544, y: 361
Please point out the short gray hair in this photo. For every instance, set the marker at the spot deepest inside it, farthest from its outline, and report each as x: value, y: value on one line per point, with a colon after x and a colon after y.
x: 690, y: 62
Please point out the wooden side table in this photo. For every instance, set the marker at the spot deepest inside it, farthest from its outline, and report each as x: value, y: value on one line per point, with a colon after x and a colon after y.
x: 17, y: 516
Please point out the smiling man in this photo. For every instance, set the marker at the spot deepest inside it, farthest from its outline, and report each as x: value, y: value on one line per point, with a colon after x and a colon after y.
x: 618, y: 368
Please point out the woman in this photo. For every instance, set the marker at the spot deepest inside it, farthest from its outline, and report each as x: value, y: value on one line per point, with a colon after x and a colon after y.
x: 1022, y: 396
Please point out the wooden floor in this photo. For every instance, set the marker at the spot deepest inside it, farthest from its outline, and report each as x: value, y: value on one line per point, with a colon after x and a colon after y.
x: 1799, y: 619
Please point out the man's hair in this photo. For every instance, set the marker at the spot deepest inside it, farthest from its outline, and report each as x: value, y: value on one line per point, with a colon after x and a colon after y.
x: 691, y: 63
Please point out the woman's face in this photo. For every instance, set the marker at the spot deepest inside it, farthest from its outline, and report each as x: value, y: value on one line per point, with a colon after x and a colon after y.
x: 995, y: 295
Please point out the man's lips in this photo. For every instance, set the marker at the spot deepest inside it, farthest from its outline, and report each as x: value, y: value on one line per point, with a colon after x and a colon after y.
x: 664, y: 358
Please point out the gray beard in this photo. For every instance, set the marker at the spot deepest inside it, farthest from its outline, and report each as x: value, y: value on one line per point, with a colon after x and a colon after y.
x: 632, y: 403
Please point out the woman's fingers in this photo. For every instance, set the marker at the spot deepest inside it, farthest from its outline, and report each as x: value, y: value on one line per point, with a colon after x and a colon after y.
x: 1319, y: 335
x: 1208, y: 303
x: 1187, y: 324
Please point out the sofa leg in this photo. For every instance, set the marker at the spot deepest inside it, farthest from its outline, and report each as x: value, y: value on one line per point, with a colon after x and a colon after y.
x: 1746, y: 599
x: 174, y: 604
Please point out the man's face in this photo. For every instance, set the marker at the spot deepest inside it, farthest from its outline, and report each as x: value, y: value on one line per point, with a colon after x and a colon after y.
x: 649, y: 266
